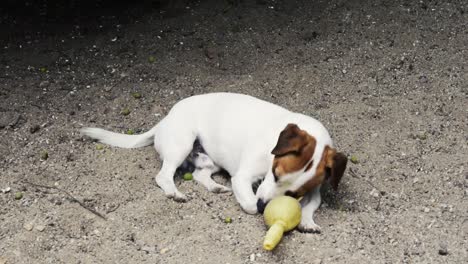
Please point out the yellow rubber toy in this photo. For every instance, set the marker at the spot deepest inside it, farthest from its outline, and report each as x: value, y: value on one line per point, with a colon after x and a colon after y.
x: 281, y: 214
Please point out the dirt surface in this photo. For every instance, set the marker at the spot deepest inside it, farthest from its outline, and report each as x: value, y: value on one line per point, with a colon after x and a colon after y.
x: 388, y: 78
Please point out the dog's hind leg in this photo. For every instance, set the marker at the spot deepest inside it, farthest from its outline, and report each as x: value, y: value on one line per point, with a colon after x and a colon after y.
x: 165, y: 180
x: 204, y: 168
x: 203, y: 176
x: 173, y: 145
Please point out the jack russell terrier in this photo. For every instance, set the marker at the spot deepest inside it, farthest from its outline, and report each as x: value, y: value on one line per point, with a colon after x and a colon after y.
x: 249, y: 138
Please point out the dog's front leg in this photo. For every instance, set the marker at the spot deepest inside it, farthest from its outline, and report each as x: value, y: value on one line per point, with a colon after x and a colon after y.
x: 242, y: 188
x: 310, y: 203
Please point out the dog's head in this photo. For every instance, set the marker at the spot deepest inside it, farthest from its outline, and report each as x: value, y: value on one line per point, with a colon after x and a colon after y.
x: 300, y: 164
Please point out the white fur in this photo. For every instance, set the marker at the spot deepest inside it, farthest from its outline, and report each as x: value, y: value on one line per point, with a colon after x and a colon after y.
x: 238, y: 133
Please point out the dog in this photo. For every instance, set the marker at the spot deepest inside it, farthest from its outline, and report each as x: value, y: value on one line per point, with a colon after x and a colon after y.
x: 249, y: 138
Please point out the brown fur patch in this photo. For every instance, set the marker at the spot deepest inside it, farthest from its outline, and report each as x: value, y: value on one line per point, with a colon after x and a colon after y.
x: 331, y: 160
x: 336, y: 163
x: 294, y: 149
x: 317, y: 179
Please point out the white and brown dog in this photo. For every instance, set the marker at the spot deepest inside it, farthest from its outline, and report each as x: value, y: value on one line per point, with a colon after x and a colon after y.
x: 249, y: 138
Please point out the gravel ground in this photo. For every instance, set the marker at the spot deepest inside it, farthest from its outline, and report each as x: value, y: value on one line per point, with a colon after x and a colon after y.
x: 388, y: 78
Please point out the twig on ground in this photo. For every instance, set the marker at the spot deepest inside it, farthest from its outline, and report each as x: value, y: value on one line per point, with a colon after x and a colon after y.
x: 72, y: 198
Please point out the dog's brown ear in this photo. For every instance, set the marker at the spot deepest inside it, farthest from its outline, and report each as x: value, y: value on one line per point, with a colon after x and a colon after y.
x: 291, y: 140
x: 336, y: 166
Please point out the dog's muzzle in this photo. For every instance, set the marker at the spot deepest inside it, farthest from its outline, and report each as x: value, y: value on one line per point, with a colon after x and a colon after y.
x: 261, y: 206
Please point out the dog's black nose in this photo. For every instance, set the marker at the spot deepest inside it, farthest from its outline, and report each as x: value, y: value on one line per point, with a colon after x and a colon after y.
x: 261, y: 206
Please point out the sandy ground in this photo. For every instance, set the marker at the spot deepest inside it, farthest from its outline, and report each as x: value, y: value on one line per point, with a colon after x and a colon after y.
x: 388, y: 78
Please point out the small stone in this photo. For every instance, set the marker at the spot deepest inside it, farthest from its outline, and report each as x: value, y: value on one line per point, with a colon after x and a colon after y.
x: 44, y: 84
x: 136, y: 95
x: 44, y: 155
x: 422, y: 136
x: 125, y: 111
x: 28, y: 226
x: 317, y: 261
x: 426, y: 210
x: 6, y: 190
x: 443, y: 251
x: 344, y: 71
x: 39, y: 228
x: 33, y: 129
x: 18, y: 195
x: 164, y: 250
x: 374, y: 193
x: 252, y: 257
x: 3, y: 260
x: 423, y: 79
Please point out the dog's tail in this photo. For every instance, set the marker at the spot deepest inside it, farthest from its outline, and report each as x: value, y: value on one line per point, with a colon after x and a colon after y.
x: 120, y: 140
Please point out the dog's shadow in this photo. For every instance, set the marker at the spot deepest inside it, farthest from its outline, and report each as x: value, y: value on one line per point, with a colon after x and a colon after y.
x: 341, y: 200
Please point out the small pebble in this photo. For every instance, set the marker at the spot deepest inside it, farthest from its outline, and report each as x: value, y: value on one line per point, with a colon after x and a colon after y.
x: 443, y: 251
x: 3, y: 260
x: 6, y: 190
x: 426, y: 210
x: 374, y: 193
x: 18, y: 195
x: 423, y: 79
x: 44, y: 155
x: 28, y: 226
x: 33, y: 129
x: 44, y: 84
x: 39, y: 228
x: 164, y: 250
x: 252, y: 257
x: 136, y: 95
x: 125, y: 111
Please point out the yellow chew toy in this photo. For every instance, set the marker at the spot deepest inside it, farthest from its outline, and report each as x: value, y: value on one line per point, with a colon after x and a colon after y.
x: 281, y: 214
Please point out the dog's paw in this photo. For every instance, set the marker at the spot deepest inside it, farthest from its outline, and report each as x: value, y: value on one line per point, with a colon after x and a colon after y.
x: 177, y: 196
x: 249, y: 208
x: 309, y: 227
x: 219, y: 189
